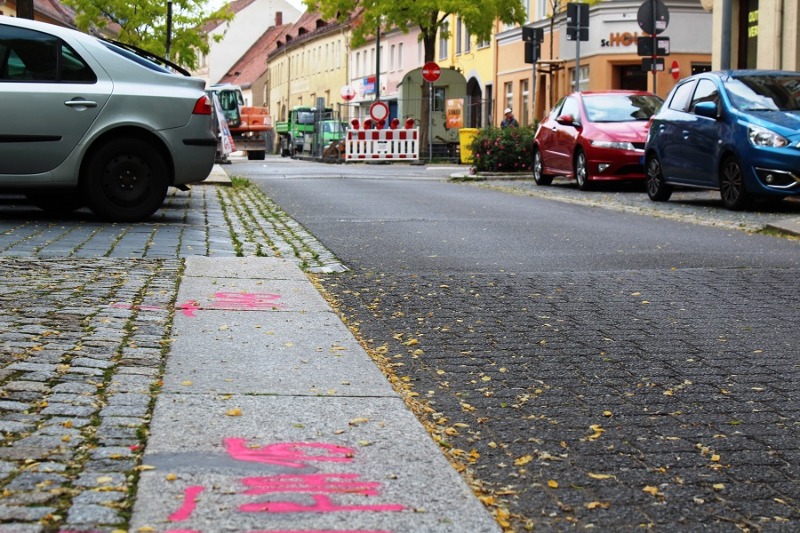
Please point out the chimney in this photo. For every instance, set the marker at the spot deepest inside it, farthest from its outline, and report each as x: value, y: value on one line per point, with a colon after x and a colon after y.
x: 279, y: 18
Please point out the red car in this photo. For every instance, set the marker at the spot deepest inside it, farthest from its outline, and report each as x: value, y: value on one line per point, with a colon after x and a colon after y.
x: 594, y: 136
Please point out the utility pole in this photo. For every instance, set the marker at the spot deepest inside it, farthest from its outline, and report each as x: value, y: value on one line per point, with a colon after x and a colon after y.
x: 25, y: 9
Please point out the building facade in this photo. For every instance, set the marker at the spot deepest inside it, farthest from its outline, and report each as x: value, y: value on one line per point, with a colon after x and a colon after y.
x: 762, y: 33
x: 310, y: 63
x: 607, y: 60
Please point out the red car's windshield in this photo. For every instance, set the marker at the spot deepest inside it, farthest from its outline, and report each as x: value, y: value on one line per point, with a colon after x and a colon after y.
x: 620, y: 107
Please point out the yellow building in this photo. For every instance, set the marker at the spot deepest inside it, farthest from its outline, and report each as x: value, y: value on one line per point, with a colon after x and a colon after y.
x: 311, y: 63
x: 758, y: 33
x: 607, y: 60
x: 475, y: 60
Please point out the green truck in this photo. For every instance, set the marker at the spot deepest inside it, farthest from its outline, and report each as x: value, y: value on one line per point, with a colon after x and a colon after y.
x: 299, y: 130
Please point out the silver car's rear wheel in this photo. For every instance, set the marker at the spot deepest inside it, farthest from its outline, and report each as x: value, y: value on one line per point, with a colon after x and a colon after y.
x: 125, y: 180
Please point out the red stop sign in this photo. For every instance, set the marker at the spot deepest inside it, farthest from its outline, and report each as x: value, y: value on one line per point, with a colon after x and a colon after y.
x: 431, y: 71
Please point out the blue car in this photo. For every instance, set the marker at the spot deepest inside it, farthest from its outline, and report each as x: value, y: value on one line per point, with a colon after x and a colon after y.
x: 735, y: 131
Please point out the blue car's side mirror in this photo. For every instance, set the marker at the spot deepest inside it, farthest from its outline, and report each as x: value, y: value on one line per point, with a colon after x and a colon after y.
x: 706, y: 109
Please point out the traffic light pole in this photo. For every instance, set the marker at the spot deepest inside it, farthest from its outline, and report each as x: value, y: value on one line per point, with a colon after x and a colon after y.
x: 654, y: 66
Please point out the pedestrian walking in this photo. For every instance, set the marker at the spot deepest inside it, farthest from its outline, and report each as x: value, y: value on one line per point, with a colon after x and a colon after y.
x: 509, y: 121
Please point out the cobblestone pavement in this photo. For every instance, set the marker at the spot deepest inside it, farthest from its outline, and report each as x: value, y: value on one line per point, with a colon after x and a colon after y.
x: 85, y: 314
x: 688, y: 205
x: 575, y: 400
x: 614, y: 400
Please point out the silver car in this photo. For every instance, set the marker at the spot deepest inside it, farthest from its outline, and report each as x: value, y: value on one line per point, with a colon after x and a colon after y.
x: 85, y: 122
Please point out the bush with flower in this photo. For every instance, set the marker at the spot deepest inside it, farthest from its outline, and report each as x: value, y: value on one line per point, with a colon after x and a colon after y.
x: 503, y: 149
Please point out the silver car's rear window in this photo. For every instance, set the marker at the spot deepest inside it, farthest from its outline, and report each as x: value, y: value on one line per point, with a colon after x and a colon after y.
x: 136, y: 59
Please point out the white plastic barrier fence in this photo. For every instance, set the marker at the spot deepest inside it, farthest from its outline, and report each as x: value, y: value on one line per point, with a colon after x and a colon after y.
x: 382, y: 145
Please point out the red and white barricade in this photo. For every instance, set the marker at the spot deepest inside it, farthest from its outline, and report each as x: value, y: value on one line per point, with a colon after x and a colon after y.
x: 382, y: 144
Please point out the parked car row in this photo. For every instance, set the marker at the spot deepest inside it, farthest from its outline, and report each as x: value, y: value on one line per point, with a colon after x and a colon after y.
x: 733, y: 131
x: 87, y: 122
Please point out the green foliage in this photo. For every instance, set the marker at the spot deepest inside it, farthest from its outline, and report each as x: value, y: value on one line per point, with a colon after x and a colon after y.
x: 479, y: 16
x: 503, y: 150
x: 143, y: 23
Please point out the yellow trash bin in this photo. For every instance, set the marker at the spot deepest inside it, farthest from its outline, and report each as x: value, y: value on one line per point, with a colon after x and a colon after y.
x: 465, y: 136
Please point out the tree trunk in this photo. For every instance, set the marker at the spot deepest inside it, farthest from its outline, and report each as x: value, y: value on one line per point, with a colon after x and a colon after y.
x: 429, y: 48
x: 25, y: 9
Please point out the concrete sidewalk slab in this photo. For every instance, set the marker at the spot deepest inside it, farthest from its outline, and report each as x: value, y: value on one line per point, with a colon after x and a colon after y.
x: 271, y: 353
x: 276, y: 420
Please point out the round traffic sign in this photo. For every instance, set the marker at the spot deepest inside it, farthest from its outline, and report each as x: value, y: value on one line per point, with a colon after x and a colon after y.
x: 379, y: 111
x: 653, y: 16
x: 675, y: 69
x: 431, y: 71
x: 348, y: 93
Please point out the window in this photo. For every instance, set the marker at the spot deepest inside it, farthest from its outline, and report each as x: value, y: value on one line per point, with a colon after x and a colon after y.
x: 583, y: 78
x: 570, y: 108
x: 27, y: 55
x: 508, y: 90
x: 467, y: 41
x: 459, y: 28
x: 523, y: 91
x: 542, y: 9
x: 357, y: 69
x: 400, y: 56
x: 438, y: 99
x: 680, y: 100
x: 706, y: 92
x: 391, y: 57
x: 443, y: 44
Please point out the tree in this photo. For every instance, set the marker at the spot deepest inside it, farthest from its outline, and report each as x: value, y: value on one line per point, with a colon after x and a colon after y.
x: 25, y: 9
x: 144, y: 24
x: 479, y: 16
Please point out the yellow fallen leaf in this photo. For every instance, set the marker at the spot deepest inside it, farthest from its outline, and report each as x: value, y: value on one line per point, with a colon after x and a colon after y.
x: 595, y: 505
x: 234, y: 412
x: 171, y: 476
x: 223, y: 327
x: 651, y: 490
x: 600, y: 476
x: 715, y: 458
x: 104, y: 479
x: 186, y: 383
x: 358, y: 421
x: 718, y: 486
x: 522, y: 461
x: 142, y: 468
x: 553, y: 484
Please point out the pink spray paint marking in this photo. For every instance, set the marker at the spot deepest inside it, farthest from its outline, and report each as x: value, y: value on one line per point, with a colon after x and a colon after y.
x: 319, y: 485
x: 322, y: 504
x: 189, y: 504
x: 288, y: 454
x: 246, y: 300
x: 189, y: 308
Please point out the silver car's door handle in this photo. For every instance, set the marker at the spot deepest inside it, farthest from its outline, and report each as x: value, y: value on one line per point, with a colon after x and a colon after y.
x: 80, y: 103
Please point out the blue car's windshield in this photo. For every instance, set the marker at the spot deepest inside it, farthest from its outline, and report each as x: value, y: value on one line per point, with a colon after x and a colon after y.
x: 764, y: 92
x: 620, y: 107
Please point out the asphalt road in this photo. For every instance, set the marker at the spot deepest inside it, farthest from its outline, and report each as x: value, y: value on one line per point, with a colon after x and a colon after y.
x: 588, y: 367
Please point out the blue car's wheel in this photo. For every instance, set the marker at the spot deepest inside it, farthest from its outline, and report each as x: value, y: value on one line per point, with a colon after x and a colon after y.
x: 657, y: 188
x: 731, y: 185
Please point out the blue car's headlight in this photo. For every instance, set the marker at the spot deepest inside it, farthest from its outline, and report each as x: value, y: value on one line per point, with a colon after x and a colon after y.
x: 759, y: 136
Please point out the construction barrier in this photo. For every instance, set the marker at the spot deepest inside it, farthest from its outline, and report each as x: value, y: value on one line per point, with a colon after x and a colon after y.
x: 382, y: 145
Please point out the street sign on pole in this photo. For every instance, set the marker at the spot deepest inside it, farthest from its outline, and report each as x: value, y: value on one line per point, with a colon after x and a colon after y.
x: 653, y: 16
x: 644, y: 46
x: 431, y: 71
x: 577, y: 21
x: 653, y: 64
